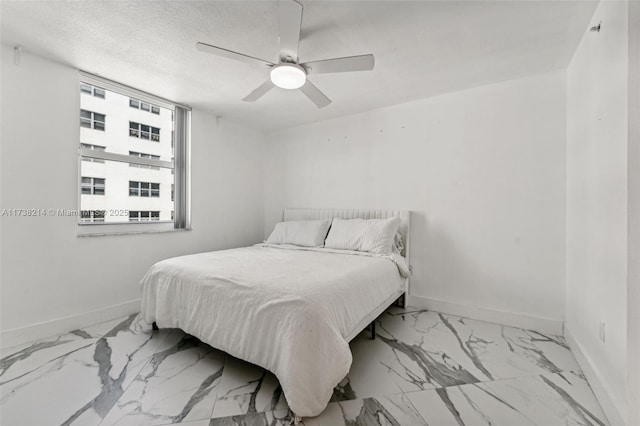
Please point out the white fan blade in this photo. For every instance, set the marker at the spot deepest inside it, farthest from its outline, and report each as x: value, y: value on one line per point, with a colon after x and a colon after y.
x: 219, y: 51
x: 348, y: 64
x: 259, y: 92
x: 316, y: 96
x: 290, y: 20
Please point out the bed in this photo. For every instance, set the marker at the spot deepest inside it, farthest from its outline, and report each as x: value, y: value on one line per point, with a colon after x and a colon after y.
x: 291, y: 310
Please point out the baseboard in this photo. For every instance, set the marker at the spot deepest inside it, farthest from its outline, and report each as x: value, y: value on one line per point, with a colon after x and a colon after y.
x: 41, y: 330
x: 543, y: 325
x: 612, y: 408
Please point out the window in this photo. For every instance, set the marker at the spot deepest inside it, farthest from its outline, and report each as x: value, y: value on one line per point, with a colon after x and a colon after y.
x: 142, y: 216
x: 143, y: 189
x: 92, y: 120
x: 134, y: 103
x: 95, y: 148
x: 92, y: 90
x: 143, y: 155
x: 144, y: 131
x: 91, y: 216
x: 137, y: 169
x: 92, y: 186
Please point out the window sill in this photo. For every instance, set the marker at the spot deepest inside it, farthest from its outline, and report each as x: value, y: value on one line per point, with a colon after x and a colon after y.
x: 107, y: 229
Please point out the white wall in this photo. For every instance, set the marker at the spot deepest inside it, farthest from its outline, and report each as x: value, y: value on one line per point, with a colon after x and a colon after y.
x: 47, y: 271
x: 633, y: 179
x: 597, y: 130
x: 483, y: 170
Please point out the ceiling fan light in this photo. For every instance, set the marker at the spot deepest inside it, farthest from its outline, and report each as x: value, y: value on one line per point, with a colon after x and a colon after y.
x: 288, y: 76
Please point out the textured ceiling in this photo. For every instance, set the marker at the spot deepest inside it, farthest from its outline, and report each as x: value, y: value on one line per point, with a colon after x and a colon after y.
x: 422, y: 48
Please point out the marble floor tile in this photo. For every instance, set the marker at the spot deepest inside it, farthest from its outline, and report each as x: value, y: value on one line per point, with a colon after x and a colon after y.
x: 204, y: 422
x: 548, y: 399
x: 385, y: 410
x: 279, y: 417
x: 95, y: 331
x: 437, y: 350
x: 246, y: 388
x: 39, y: 344
x: 74, y: 379
x: 423, y: 368
x: 178, y: 384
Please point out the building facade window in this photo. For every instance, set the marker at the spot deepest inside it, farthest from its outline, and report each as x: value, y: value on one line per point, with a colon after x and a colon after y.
x: 143, y: 189
x: 92, y: 120
x: 92, y: 216
x: 93, y: 148
x: 137, y: 104
x: 92, y: 186
x: 143, y: 155
x: 143, y: 215
x: 143, y: 131
x: 92, y: 90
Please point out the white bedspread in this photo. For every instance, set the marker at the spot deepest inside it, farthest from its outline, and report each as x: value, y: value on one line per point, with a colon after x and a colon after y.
x: 289, y: 311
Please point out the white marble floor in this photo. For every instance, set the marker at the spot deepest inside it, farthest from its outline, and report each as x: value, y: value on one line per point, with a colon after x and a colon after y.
x: 423, y: 368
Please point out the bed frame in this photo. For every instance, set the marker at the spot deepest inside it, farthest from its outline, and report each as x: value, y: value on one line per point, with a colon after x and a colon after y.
x: 404, y: 229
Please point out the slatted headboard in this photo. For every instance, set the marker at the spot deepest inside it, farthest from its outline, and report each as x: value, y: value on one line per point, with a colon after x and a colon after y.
x: 317, y: 214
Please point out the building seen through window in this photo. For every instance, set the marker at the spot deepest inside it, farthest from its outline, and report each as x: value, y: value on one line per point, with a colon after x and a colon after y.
x: 127, y: 150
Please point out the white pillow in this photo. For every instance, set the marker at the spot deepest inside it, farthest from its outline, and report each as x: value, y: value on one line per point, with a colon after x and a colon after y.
x: 371, y: 235
x: 307, y: 233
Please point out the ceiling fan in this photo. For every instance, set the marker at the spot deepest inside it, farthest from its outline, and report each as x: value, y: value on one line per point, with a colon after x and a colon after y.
x: 289, y: 73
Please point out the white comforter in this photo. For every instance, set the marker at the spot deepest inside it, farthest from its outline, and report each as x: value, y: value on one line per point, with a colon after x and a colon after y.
x: 289, y: 311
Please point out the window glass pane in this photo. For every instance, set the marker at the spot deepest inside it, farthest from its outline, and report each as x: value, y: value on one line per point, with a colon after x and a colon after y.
x: 124, y: 135
x: 98, y: 93
x: 145, y: 107
x: 85, y: 88
x: 133, y: 129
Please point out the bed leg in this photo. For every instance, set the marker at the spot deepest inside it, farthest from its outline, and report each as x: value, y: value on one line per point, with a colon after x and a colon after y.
x: 373, y: 330
x: 154, y: 326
